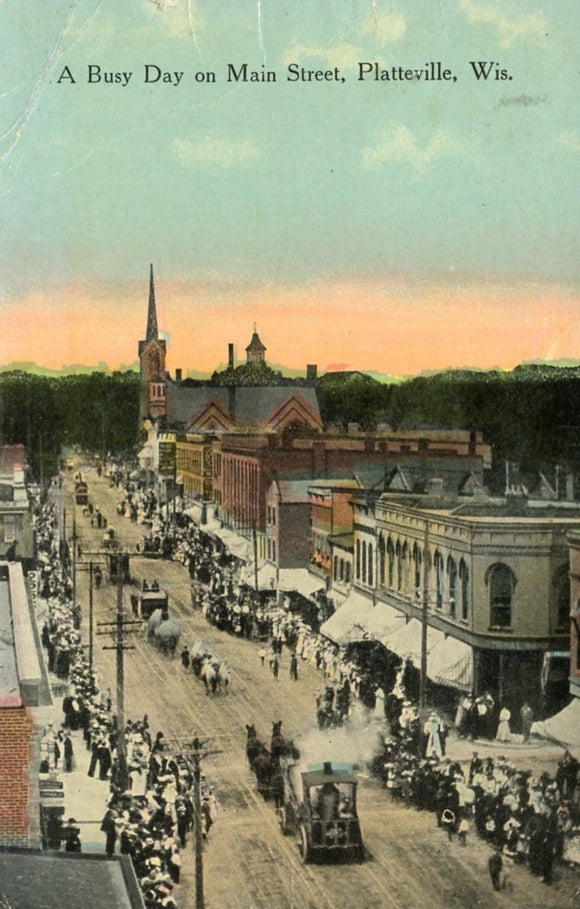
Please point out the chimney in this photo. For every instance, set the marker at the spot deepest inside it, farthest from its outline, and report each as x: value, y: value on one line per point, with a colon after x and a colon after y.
x: 230, y: 356
x: 311, y: 372
x: 178, y: 374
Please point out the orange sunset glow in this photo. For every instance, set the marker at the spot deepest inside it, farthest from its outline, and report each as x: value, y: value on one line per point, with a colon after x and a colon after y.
x: 393, y: 326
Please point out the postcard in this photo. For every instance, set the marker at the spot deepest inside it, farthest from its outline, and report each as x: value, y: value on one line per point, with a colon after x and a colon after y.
x: 377, y: 201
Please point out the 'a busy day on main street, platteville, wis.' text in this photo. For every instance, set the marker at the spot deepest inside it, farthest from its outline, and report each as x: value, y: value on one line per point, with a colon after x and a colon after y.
x: 432, y: 71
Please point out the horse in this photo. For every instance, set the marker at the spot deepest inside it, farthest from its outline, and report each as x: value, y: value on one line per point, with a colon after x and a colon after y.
x: 224, y: 678
x: 255, y: 747
x: 280, y: 746
x: 209, y: 674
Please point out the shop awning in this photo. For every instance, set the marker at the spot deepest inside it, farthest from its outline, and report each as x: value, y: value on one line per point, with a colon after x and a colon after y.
x: 449, y: 660
x: 359, y: 620
x: 299, y: 579
x: 563, y: 727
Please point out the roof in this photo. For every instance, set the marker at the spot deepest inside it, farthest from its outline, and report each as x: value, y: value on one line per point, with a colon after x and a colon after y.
x: 255, y: 343
x: 253, y: 403
x: 30, y: 879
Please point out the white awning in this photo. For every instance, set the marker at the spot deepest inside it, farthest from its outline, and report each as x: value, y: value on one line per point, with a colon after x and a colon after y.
x: 266, y: 575
x: 359, y: 620
x: 563, y: 727
x: 449, y: 660
x: 299, y: 579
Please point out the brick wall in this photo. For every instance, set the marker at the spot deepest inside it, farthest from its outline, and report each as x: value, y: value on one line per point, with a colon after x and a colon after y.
x: 15, y: 752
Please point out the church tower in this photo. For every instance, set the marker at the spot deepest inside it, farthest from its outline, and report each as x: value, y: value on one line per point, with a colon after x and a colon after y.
x: 152, y: 364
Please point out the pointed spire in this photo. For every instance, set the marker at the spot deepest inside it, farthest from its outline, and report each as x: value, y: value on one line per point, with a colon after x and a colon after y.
x: 152, y: 333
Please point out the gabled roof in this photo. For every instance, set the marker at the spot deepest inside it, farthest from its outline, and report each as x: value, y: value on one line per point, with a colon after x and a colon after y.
x: 295, y: 409
x: 213, y: 417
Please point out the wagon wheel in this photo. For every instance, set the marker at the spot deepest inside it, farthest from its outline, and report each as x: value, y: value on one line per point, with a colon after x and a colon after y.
x: 303, y: 845
x: 284, y: 818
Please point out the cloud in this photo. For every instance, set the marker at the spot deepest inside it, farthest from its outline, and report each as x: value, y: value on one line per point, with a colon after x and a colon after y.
x: 386, y: 25
x: 570, y: 140
x: 519, y: 27
x: 341, y: 53
x: 212, y: 151
x: 399, y: 145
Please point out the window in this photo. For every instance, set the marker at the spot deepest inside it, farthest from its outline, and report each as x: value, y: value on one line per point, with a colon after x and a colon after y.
x: 336, y: 575
x: 417, y: 562
x: 382, y: 560
x: 347, y: 572
x: 464, y: 581
x: 440, y: 579
x: 391, y: 561
x: 358, y: 560
x: 370, y: 558
x: 502, y: 585
x: 364, y: 562
x: 452, y: 585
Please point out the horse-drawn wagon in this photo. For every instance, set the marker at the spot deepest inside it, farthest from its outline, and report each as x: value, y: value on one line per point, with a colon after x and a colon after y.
x: 81, y: 492
x: 320, y: 805
x: 118, y: 565
x: 152, y: 597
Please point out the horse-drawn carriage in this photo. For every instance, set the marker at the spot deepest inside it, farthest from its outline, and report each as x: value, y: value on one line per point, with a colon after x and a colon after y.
x: 81, y: 492
x: 320, y: 805
x: 152, y: 597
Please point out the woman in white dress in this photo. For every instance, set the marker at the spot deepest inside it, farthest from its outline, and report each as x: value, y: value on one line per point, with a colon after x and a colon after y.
x: 504, y: 733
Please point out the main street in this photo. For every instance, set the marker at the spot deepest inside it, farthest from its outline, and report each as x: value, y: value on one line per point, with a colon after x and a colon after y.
x: 247, y: 861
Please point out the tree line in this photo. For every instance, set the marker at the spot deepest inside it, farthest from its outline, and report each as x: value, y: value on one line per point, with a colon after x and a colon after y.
x: 530, y: 415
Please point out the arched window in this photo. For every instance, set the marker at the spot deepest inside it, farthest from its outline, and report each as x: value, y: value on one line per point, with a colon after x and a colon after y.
x: 417, y: 562
x: 439, y: 577
x: 336, y: 568
x: 391, y: 560
x: 382, y: 560
x: 370, y: 558
x: 464, y: 581
x: 364, y: 562
x: 357, y: 560
x: 405, y: 564
x: 452, y: 585
x: 347, y: 572
x: 502, y: 584
x: 398, y: 555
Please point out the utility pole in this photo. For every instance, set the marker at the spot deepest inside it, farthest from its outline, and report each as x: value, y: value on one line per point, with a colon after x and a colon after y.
x: 195, y: 752
x: 119, y: 629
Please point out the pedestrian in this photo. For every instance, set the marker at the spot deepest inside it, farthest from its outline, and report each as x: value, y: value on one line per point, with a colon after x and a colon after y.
x: 526, y: 716
x: 185, y: 657
x: 71, y: 834
x: 68, y: 753
x: 495, y: 864
x: 275, y: 666
x: 462, y: 831
x: 109, y: 828
x: 294, y: 667
x: 503, y: 733
x: 262, y: 654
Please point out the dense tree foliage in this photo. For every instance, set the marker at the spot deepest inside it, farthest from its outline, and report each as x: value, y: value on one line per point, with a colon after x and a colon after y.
x: 530, y: 415
x: 97, y: 411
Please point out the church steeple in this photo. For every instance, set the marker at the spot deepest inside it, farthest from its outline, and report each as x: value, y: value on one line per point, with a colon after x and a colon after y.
x: 152, y: 333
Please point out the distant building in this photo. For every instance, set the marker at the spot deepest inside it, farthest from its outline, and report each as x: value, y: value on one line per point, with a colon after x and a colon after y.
x: 16, y: 535
x: 152, y: 352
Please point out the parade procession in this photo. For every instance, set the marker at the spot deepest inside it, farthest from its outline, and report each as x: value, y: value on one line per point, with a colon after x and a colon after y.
x: 167, y: 671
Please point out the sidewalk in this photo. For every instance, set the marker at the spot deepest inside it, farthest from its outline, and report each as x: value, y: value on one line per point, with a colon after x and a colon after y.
x: 85, y: 797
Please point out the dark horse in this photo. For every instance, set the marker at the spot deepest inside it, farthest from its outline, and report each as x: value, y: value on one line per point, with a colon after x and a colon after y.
x: 265, y: 762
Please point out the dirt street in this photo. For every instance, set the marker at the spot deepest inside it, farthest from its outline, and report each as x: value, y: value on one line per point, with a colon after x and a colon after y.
x: 248, y: 863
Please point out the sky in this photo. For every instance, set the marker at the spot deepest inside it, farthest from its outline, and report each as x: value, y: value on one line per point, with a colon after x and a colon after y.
x: 380, y: 223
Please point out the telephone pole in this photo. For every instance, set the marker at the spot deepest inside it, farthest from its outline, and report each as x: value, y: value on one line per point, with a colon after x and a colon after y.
x: 194, y: 753
x: 119, y: 628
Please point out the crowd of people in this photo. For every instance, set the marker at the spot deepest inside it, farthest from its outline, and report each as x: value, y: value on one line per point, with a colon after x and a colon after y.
x: 150, y: 805
x: 525, y: 818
